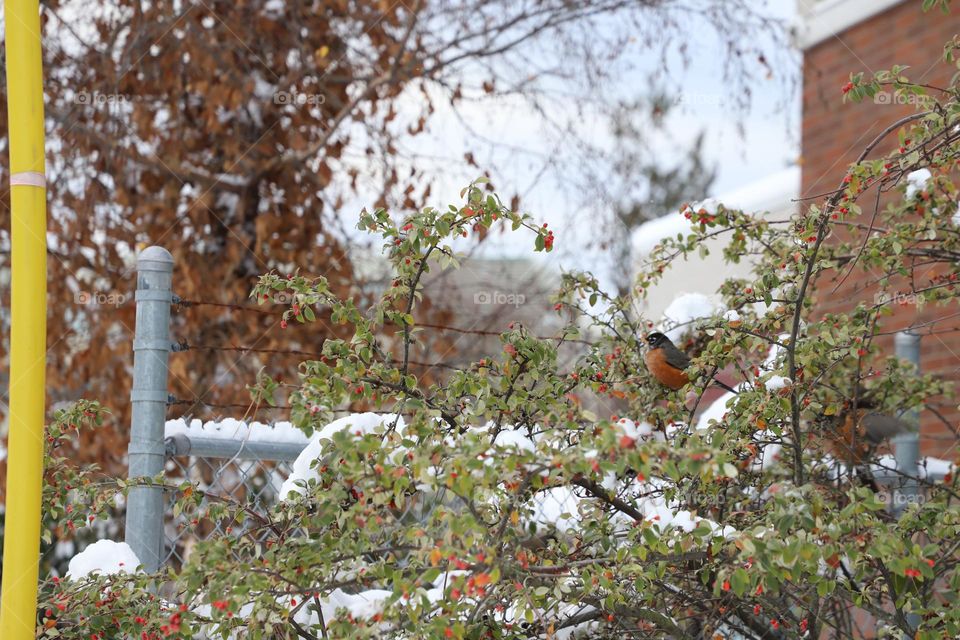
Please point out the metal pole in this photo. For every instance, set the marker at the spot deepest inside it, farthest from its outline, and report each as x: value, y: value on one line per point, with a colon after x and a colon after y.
x: 184, y: 445
x: 28, y: 309
x: 906, y: 446
x: 147, y: 452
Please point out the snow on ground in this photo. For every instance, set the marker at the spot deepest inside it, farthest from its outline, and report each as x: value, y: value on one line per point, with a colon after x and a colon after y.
x: 685, y: 309
x: 231, y: 429
x: 367, y: 604
x: 935, y: 467
x: 928, y: 467
x: 718, y: 408
x: 363, y: 605
x: 656, y: 509
x: 774, y: 362
x: 103, y: 557
x: 917, y: 182
x: 510, y: 437
x: 769, y: 450
x: 640, y: 431
x: 358, y: 423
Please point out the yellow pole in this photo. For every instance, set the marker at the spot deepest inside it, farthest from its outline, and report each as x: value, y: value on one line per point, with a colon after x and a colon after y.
x: 21, y: 545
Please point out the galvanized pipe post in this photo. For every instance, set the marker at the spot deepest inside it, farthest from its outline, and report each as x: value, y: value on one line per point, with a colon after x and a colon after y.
x: 906, y: 446
x: 147, y: 452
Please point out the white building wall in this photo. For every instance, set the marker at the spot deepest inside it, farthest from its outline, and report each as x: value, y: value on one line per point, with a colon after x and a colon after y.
x: 774, y: 197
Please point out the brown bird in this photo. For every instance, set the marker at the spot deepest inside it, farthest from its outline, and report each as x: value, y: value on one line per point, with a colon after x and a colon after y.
x: 668, y: 364
x: 854, y: 436
x: 854, y: 440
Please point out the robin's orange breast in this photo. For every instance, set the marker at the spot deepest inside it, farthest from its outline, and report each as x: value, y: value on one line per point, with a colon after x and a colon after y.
x: 666, y: 373
x: 848, y: 441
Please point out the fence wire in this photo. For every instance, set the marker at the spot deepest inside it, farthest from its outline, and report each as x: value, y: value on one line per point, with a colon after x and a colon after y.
x: 253, y: 483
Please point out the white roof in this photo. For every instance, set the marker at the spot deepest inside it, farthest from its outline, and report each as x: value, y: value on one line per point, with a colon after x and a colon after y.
x: 773, y: 193
x: 822, y: 19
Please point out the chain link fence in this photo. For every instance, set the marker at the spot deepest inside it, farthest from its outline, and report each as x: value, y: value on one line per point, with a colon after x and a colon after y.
x: 248, y: 473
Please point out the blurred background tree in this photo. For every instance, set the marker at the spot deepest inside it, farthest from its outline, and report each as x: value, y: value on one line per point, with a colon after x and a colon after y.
x: 646, y: 187
x: 240, y: 135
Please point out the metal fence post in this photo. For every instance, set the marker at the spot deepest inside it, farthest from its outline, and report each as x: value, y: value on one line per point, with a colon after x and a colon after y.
x: 906, y: 446
x: 151, y: 349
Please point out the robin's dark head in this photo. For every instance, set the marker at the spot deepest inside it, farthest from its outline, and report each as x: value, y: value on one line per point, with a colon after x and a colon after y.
x: 657, y: 340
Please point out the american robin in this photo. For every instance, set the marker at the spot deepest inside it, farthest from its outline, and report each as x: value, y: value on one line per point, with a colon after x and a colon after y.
x: 855, y: 440
x: 668, y: 364
x: 853, y: 437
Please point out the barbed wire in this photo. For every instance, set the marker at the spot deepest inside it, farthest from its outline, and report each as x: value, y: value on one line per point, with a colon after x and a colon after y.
x: 185, y: 303
x: 489, y: 332
x: 173, y: 401
x: 431, y: 365
x: 183, y: 345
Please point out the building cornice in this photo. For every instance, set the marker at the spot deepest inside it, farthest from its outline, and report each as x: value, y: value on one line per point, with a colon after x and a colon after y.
x: 822, y: 19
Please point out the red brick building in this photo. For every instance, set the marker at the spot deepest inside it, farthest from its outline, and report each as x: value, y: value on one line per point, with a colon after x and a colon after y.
x: 843, y: 36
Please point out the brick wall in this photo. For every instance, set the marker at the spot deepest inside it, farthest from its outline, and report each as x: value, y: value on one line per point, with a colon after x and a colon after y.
x: 834, y: 134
